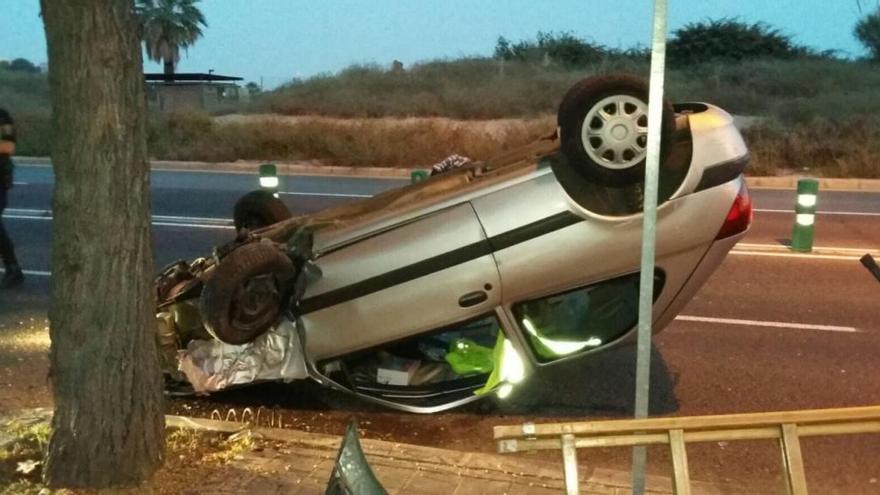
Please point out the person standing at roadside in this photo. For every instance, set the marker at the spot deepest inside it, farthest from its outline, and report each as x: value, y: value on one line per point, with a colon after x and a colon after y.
x: 12, y: 277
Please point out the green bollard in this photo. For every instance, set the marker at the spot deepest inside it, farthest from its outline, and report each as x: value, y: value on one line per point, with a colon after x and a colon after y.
x: 418, y: 176
x: 805, y: 215
x: 269, y: 176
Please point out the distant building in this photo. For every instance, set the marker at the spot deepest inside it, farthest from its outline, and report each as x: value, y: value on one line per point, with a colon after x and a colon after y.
x: 192, y: 92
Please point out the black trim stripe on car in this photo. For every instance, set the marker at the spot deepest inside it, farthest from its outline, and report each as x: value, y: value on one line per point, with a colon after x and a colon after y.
x: 438, y: 263
x: 533, y: 230
x: 723, y: 172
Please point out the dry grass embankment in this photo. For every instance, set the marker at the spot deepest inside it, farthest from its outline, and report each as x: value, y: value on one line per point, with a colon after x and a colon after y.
x: 357, y: 142
x: 820, y: 147
x: 822, y: 116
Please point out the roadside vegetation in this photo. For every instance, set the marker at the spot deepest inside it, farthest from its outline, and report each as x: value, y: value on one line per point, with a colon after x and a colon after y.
x: 816, y: 112
x: 191, y: 457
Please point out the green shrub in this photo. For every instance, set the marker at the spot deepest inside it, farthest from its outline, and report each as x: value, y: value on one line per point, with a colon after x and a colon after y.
x: 472, y: 88
x: 562, y: 48
x: 34, y: 130
x: 23, y: 91
x: 867, y: 31
x: 729, y: 40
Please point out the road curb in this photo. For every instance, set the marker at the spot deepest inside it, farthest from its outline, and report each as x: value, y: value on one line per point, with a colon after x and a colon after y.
x: 472, y: 468
x: 448, y: 462
x: 316, y: 168
x: 825, y: 183
x: 251, y: 167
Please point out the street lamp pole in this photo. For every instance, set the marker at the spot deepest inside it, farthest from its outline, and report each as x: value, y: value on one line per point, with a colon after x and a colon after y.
x: 649, y: 234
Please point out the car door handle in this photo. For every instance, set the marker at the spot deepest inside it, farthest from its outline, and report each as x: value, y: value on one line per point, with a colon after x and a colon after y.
x: 472, y: 298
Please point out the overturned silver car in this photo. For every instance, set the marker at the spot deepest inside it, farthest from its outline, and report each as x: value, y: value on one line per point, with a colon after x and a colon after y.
x: 434, y: 295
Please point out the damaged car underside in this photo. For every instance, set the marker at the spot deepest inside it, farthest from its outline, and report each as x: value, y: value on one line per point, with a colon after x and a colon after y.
x: 436, y: 294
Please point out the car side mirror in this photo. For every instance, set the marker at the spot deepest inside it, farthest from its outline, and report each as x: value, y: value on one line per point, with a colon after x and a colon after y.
x: 352, y: 474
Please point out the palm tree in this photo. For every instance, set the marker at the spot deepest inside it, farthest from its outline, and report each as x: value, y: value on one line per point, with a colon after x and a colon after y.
x: 168, y: 26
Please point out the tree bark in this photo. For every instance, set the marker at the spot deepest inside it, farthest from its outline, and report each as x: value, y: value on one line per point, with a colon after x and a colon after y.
x: 108, y: 427
x: 169, y: 70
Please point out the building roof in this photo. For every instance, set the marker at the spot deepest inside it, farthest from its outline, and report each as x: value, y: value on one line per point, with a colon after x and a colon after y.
x: 189, y: 77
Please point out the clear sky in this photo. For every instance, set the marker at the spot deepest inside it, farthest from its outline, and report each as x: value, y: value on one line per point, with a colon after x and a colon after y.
x: 281, y: 39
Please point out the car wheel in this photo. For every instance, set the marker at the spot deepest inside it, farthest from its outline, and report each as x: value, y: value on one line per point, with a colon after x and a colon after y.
x: 244, y: 296
x: 258, y: 209
x: 603, y: 124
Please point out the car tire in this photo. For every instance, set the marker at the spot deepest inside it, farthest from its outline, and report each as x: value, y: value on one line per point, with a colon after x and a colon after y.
x: 245, y: 294
x: 258, y: 209
x: 603, y: 128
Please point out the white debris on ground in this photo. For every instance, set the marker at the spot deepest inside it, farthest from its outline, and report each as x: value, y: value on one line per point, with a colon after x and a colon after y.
x: 211, y: 365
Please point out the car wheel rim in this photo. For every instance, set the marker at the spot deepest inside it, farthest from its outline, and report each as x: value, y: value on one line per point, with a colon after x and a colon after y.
x: 253, y: 302
x: 614, y: 133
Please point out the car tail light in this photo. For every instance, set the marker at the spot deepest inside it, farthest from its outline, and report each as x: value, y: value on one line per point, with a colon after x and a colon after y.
x: 740, y: 215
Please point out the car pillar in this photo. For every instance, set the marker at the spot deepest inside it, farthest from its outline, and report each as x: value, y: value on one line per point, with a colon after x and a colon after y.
x: 805, y: 215
x: 269, y: 178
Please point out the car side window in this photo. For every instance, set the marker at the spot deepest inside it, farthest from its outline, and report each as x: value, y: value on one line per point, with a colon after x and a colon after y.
x: 583, y: 319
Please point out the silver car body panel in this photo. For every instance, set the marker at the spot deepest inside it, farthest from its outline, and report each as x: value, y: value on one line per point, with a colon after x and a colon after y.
x: 415, y: 304
x: 363, y: 261
x: 398, y: 265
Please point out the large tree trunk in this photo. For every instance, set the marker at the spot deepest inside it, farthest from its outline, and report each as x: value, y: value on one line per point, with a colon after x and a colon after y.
x: 108, y: 428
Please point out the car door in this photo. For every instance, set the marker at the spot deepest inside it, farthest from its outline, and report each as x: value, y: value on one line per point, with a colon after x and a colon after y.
x: 424, y: 274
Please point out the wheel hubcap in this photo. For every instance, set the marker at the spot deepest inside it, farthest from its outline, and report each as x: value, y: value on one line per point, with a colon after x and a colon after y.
x: 615, y: 132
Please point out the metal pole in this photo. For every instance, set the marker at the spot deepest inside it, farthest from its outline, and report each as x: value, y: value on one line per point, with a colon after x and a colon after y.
x: 649, y: 233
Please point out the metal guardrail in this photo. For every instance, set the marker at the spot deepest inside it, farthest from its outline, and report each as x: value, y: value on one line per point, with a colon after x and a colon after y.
x: 787, y: 427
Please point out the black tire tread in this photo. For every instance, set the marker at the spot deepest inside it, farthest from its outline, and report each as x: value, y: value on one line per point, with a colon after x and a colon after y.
x: 260, y: 204
x: 247, y: 261
x: 574, y: 108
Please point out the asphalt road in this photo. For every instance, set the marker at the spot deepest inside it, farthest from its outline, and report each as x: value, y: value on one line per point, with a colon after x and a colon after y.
x: 767, y: 332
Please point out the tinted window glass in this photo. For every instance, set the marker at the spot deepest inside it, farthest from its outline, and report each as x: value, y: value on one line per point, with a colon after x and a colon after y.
x: 583, y: 319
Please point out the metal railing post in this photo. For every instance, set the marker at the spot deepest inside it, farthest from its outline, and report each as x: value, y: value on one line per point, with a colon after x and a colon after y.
x: 680, y: 471
x: 570, y: 468
x: 793, y: 461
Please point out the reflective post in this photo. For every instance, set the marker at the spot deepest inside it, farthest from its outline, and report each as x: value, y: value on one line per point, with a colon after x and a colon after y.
x: 805, y: 215
x: 269, y: 177
x: 418, y: 176
x: 649, y: 233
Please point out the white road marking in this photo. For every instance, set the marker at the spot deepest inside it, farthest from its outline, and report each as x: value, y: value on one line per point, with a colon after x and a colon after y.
x: 158, y: 220
x: 329, y: 195
x: 33, y: 273
x: 771, y: 324
x: 849, y: 213
x: 797, y: 255
x: 818, y: 253
x: 16, y: 183
x: 193, y: 225
x: 825, y: 249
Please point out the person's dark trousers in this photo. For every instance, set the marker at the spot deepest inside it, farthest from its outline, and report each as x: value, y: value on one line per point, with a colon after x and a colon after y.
x: 7, y: 250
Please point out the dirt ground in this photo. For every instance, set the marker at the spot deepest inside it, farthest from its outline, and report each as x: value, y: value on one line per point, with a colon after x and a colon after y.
x: 24, y: 346
x: 189, y: 456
